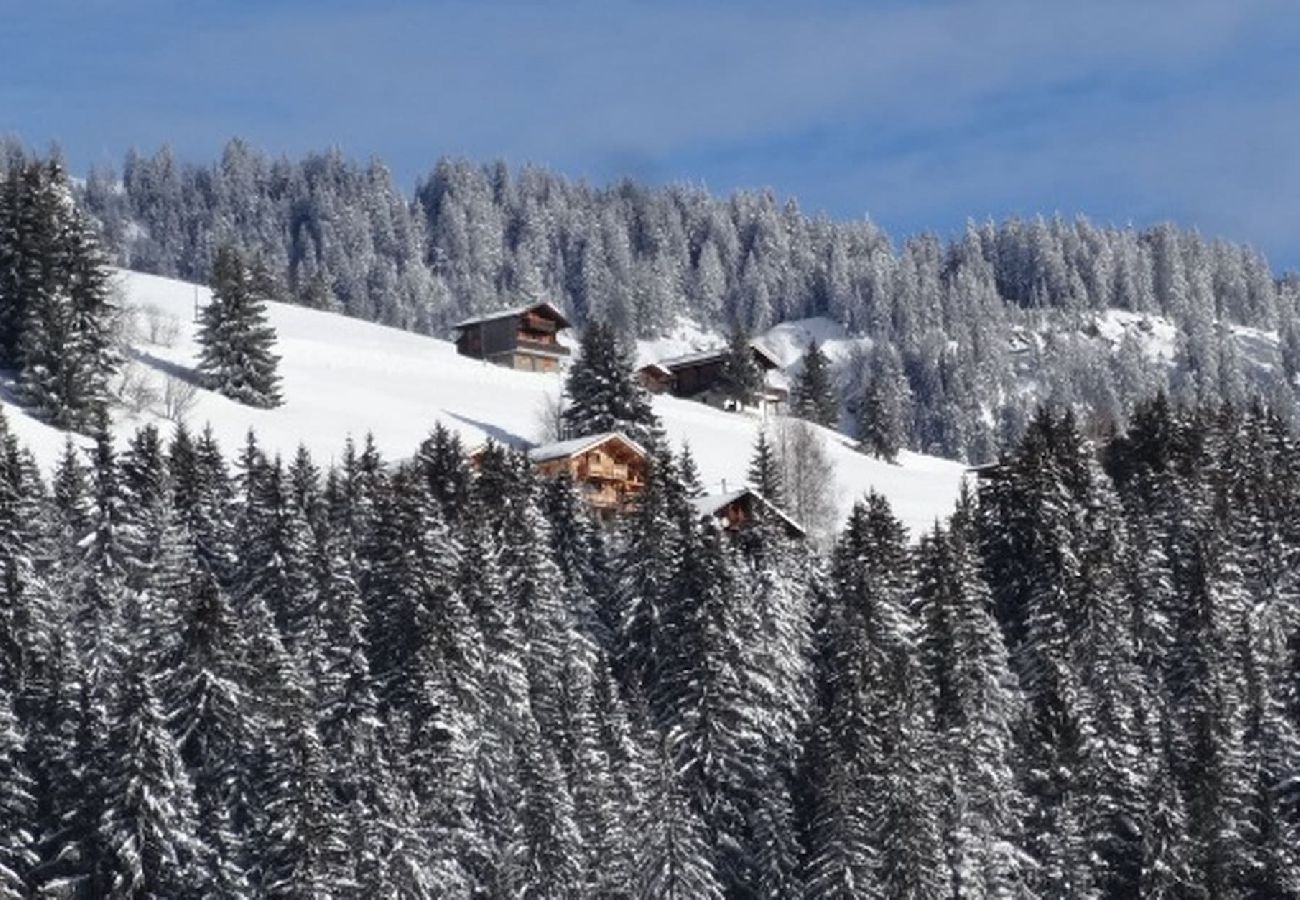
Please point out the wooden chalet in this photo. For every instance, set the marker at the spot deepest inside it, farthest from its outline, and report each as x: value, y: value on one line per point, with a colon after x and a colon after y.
x: 524, y: 337
x: 736, y: 509
x: 699, y: 374
x: 609, y: 468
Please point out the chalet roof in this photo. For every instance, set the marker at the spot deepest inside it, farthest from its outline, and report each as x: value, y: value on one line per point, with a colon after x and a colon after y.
x: 514, y: 312
x: 712, y: 504
x: 564, y: 449
x: 699, y: 357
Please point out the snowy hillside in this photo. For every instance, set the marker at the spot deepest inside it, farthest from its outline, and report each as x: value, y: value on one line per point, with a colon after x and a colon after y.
x: 347, y: 377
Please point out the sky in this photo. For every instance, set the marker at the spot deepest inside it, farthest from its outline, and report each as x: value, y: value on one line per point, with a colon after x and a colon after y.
x: 921, y: 115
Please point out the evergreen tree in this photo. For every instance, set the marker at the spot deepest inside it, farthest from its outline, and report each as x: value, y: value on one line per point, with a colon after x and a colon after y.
x: 874, y: 829
x: 976, y: 702
x: 56, y: 314
x: 741, y: 379
x: 674, y: 862
x: 880, y: 413
x: 603, y: 392
x: 205, y: 688
x: 765, y: 470
x: 149, y: 822
x: 17, y: 807
x: 813, y: 397
x: 236, y: 340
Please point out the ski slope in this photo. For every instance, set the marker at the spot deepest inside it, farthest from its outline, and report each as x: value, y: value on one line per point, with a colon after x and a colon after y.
x: 344, y: 377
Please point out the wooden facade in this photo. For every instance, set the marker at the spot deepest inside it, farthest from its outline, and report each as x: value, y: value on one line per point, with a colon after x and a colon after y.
x: 699, y: 374
x: 525, y: 337
x: 608, y: 468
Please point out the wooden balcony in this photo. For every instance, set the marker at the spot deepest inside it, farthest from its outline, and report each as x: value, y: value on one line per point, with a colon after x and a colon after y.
x: 552, y: 347
x: 607, y: 470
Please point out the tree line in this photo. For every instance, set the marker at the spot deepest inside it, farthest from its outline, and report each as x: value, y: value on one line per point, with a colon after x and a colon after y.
x: 419, y: 678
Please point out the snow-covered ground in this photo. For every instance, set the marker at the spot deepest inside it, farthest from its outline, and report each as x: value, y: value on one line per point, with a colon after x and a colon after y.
x: 345, y: 377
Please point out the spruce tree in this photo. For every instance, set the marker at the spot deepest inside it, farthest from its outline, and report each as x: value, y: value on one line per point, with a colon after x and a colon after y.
x: 603, y: 392
x: 765, y: 470
x: 674, y: 861
x: 741, y: 379
x: 237, y: 344
x: 56, y: 313
x: 813, y: 397
x: 880, y: 417
x: 149, y: 824
x: 976, y: 701
x: 17, y: 806
x: 205, y: 687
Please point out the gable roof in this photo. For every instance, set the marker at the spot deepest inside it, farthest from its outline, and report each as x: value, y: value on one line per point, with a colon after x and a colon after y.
x: 515, y: 312
x: 713, y: 504
x: 703, y: 356
x: 564, y: 449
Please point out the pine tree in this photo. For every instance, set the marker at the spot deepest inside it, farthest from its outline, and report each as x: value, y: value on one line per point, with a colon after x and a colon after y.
x: 976, y: 701
x: 56, y: 314
x: 674, y: 862
x: 17, y: 807
x: 765, y: 470
x: 603, y: 392
x: 741, y: 379
x: 813, y: 397
x: 236, y: 340
x: 874, y: 828
x: 690, y: 473
x: 205, y: 689
x: 149, y: 823
x: 880, y: 413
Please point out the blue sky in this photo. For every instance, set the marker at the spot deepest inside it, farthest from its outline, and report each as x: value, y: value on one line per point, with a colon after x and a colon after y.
x: 918, y: 114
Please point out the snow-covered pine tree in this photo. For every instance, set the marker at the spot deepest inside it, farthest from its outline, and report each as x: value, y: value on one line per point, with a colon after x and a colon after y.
x: 273, y: 549
x: 647, y: 557
x: 440, y: 460
x: 237, y: 342
x: 149, y: 823
x: 674, y: 861
x: 765, y: 470
x: 603, y: 392
x: 56, y: 314
x: 977, y: 701
x: 205, y: 688
x: 30, y: 607
x: 881, y: 427
x: 874, y: 829
x: 814, y: 396
x: 689, y: 472
x: 741, y: 379
x: 17, y: 805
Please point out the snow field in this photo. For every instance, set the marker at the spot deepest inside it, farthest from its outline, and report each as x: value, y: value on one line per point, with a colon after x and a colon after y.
x: 344, y: 377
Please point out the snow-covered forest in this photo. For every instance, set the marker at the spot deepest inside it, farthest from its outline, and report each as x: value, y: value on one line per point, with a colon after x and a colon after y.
x: 950, y: 314
x: 418, y: 676
x: 411, y: 679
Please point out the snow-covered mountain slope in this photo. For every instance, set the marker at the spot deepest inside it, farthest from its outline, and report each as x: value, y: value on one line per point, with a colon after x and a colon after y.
x: 345, y: 377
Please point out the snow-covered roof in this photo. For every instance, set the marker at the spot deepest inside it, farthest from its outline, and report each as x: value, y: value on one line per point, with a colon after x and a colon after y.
x: 574, y: 446
x: 513, y: 312
x: 712, y: 504
x: 700, y: 356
